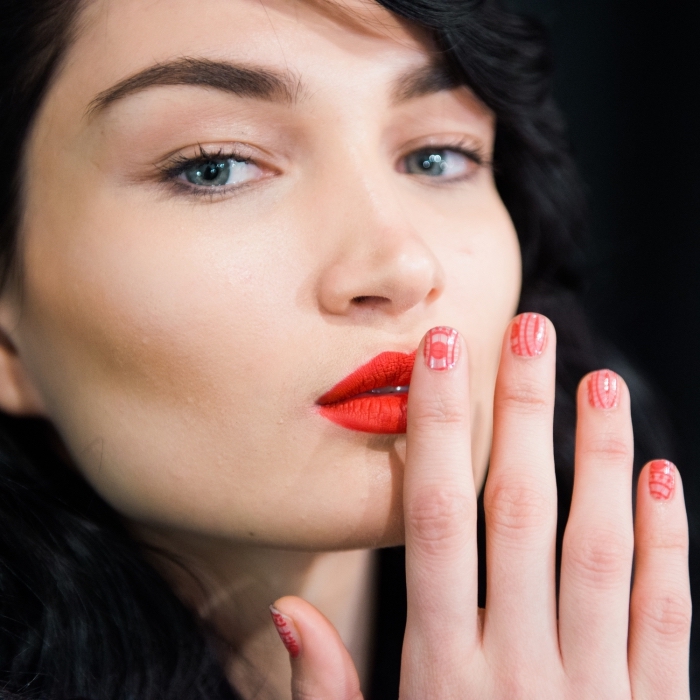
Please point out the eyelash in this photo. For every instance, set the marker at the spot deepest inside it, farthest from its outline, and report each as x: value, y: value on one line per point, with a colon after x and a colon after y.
x: 171, y: 172
x: 460, y: 146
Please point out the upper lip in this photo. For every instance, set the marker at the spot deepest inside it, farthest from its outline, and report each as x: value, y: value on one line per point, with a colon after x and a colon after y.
x: 386, y: 369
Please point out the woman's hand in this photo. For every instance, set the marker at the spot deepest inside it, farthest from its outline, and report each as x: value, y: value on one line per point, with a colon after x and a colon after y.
x: 604, y: 642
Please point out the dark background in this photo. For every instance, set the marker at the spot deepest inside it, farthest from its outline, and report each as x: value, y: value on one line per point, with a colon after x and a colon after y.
x: 627, y: 78
x: 627, y: 74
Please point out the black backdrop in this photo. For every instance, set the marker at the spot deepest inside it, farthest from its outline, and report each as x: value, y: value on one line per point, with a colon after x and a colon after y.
x: 627, y: 73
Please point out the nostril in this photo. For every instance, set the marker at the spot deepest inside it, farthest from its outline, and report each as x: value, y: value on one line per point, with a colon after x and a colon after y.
x: 366, y: 300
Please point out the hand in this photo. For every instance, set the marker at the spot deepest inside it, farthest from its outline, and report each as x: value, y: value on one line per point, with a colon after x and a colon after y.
x: 604, y: 642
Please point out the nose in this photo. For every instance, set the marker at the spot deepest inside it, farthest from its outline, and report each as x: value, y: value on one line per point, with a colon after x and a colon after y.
x: 379, y: 261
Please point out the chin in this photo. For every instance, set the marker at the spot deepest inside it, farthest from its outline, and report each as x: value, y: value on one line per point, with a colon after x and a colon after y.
x: 324, y: 537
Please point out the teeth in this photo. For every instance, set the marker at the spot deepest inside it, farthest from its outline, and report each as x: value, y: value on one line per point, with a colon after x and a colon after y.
x: 390, y: 390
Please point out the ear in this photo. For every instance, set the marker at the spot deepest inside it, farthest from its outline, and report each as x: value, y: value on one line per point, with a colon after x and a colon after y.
x: 17, y: 393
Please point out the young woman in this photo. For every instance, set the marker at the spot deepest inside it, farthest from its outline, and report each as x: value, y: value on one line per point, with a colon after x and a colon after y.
x: 234, y: 233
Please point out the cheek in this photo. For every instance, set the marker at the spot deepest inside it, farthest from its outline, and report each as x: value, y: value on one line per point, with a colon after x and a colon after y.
x: 489, y: 281
x: 484, y: 277
x: 182, y: 375
x: 147, y: 341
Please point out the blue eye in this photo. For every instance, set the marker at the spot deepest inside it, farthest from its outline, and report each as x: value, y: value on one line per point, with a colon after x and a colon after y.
x: 218, y: 172
x: 444, y: 163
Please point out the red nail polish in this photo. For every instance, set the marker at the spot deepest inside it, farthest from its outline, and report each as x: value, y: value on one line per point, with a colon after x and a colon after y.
x: 441, y: 348
x: 603, y: 389
x: 662, y: 479
x: 528, y: 335
x: 287, y: 632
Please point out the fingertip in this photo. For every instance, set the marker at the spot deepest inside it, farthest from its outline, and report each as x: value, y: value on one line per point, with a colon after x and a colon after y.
x: 603, y: 390
x: 321, y: 665
x: 439, y: 387
x: 442, y: 349
x: 307, y: 620
x: 529, y: 335
x: 296, y: 622
x: 287, y: 630
x: 661, y: 520
x: 660, y: 482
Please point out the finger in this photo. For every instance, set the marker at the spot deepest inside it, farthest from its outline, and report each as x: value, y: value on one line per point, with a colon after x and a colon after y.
x: 598, y: 541
x: 520, y: 497
x: 660, y: 608
x: 321, y: 665
x: 440, y: 502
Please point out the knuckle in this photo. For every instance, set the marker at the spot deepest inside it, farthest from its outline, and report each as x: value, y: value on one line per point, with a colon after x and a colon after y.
x: 671, y: 541
x: 600, y: 558
x: 440, y: 516
x: 668, y: 615
x: 310, y: 689
x: 517, y: 510
x: 305, y: 691
x: 440, y: 410
x: 607, y: 448
x: 519, y: 687
x: 524, y: 397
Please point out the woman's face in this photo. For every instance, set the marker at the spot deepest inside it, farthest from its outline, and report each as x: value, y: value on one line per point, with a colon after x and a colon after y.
x: 289, y: 189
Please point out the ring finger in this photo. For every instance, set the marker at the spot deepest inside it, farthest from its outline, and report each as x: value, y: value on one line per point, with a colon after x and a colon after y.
x: 598, y: 541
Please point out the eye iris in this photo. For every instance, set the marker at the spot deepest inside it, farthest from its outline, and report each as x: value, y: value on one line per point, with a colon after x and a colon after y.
x: 428, y: 163
x: 210, y: 173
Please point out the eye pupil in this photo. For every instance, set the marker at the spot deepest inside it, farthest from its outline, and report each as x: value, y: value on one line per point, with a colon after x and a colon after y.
x: 211, y: 171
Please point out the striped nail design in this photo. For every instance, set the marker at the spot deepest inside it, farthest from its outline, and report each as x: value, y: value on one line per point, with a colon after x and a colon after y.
x: 287, y: 632
x: 528, y: 335
x: 441, y: 350
x: 603, y: 389
x: 662, y: 479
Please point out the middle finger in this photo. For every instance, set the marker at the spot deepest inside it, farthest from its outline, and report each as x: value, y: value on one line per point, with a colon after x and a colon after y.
x: 520, y: 497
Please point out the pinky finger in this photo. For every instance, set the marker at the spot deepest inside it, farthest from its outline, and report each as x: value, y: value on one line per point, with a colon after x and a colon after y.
x: 321, y: 665
x: 660, y: 606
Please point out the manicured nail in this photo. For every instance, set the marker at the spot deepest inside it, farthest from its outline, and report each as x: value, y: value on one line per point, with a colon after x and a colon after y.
x: 287, y: 632
x: 662, y: 479
x: 603, y: 389
x: 441, y: 348
x: 528, y: 335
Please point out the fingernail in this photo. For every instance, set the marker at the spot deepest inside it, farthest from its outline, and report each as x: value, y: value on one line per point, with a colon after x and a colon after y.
x: 441, y: 348
x: 603, y: 389
x: 662, y: 479
x: 287, y: 632
x: 528, y: 335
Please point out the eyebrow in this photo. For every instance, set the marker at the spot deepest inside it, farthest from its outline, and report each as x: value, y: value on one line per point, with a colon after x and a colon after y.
x: 259, y: 83
x: 427, y: 79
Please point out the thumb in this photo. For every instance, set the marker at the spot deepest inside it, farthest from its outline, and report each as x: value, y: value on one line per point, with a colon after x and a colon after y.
x: 321, y: 665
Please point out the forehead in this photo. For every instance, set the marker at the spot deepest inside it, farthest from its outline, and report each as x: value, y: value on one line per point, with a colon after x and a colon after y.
x: 117, y: 37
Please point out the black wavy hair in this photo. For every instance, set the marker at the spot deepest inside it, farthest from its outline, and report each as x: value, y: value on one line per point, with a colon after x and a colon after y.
x: 82, y: 614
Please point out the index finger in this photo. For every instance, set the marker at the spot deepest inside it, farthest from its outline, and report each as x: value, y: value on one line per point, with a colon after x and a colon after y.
x: 439, y: 493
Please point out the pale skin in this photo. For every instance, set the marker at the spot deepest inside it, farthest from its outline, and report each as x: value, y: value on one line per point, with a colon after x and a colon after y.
x: 178, y: 334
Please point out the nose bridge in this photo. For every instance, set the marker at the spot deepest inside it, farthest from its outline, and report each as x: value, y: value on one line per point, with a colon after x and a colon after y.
x: 378, y: 256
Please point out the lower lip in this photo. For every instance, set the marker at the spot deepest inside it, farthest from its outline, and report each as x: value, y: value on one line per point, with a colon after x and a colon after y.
x: 382, y: 414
